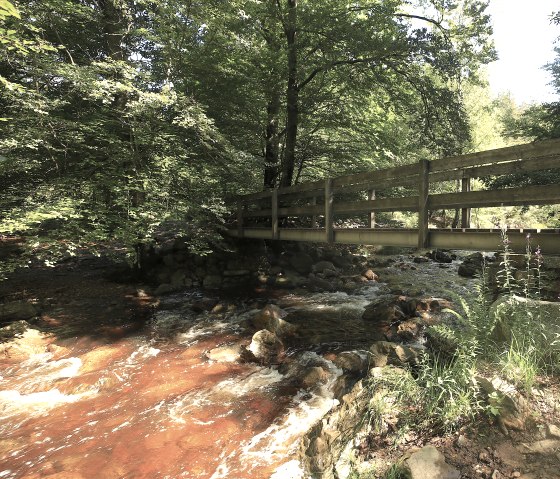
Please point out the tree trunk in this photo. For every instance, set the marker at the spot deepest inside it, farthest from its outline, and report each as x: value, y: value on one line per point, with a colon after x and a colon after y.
x: 272, y: 141
x: 292, y: 97
x: 113, y: 29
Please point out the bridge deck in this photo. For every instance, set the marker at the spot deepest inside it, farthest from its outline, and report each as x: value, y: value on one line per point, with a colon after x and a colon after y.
x: 548, y: 240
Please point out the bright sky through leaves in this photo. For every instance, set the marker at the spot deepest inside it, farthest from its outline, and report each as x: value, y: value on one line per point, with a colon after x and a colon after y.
x: 524, y: 38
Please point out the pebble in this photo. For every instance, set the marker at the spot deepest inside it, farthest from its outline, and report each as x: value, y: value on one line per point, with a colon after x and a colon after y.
x: 484, y: 457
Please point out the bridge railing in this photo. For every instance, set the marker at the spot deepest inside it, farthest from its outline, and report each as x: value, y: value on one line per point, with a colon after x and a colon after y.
x: 317, y: 199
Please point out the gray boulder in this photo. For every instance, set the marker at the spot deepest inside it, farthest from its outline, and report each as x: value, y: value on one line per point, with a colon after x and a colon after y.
x: 515, y: 312
x: 471, y: 266
x: 428, y: 463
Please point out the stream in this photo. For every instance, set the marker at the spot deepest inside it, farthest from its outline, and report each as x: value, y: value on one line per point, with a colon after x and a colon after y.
x: 153, y: 405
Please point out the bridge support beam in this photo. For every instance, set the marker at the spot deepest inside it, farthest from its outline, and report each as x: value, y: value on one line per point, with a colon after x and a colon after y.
x: 465, y: 212
x: 329, y: 218
x: 274, y: 197
x: 240, y: 219
x: 371, y: 216
x: 423, y: 195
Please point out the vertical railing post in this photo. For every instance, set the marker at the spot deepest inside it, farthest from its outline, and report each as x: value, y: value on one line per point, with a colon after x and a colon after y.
x: 239, y: 218
x: 371, y: 216
x: 274, y: 197
x: 314, y: 217
x: 329, y: 198
x: 423, y: 195
x: 465, y: 212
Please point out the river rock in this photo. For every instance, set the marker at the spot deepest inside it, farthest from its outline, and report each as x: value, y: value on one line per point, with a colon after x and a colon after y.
x: 383, y: 310
x: 440, y: 256
x: 315, y: 283
x: 344, y: 262
x: 314, y: 375
x: 321, y: 447
x: 385, y: 352
x: 543, y: 447
x: 513, y: 408
x: 323, y: 266
x: 428, y: 463
x: 509, y: 311
x: 370, y: 275
x: 270, y: 318
x: 301, y: 262
x: 17, y: 311
x: 266, y: 347
x: 164, y: 289
x: 352, y: 361
x: 408, y: 330
x: 553, y: 431
x: 471, y: 265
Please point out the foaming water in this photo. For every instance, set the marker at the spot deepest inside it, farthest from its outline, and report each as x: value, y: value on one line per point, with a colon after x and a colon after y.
x: 153, y: 405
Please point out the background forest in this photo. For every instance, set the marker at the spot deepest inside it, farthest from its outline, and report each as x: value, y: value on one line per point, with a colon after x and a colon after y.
x: 119, y: 118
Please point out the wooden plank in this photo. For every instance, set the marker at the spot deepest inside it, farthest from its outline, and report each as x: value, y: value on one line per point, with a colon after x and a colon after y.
x: 378, y: 184
x: 274, y: 214
x: 406, y: 203
x: 511, y: 167
x: 465, y: 212
x: 266, y: 213
x: 525, y: 196
x: 491, y: 241
x: 311, y: 185
x: 548, y: 240
x: 376, y: 176
x: 423, y: 195
x: 329, y: 217
x: 377, y: 236
x: 510, y: 153
x: 315, y: 235
x: 240, y: 218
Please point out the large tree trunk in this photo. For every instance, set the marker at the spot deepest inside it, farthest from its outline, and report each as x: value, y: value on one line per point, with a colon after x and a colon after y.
x: 272, y: 139
x: 113, y: 28
x: 292, y: 97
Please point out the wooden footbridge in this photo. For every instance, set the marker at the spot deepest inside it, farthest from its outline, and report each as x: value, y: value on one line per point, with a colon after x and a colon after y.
x: 268, y: 214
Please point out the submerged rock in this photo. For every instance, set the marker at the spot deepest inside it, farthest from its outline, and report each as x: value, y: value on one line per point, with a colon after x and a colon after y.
x: 228, y: 353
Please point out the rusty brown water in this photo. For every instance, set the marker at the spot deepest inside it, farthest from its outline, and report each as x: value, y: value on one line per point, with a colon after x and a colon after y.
x: 153, y: 405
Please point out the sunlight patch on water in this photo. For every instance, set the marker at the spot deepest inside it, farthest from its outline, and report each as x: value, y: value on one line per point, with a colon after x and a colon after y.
x: 13, y: 402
